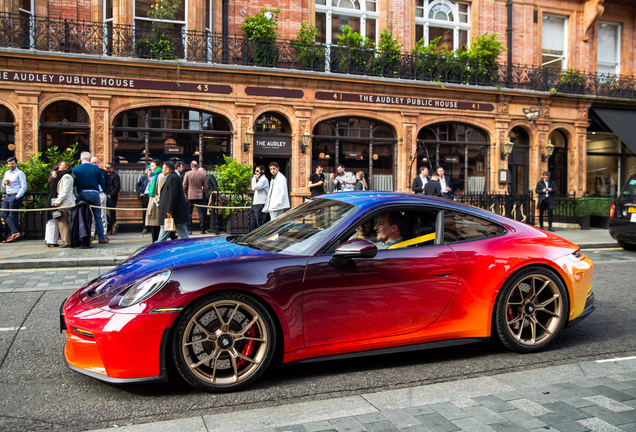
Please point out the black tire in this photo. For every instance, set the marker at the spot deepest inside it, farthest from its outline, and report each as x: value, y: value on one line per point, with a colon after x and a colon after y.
x: 627, y: 246
x: 234, y: 350
x: 531, y: 310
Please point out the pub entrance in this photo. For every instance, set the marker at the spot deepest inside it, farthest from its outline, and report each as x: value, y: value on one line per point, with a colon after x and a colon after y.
x: 518, y: 162
x: 272, y: 143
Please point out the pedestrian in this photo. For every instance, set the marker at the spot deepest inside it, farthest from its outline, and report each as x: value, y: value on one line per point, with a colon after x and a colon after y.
x: 260, y: 186
x: 154, y: 194
x: 277, y: 199
x: 103, y: 196
x: 213, y: 186
x: 112, y: 197
x: 432, y: 187
x: 51, y: 230
x: 317, y: 182
x: 195, y: 186
x: 178, y: 168
x: 345, y: 180
x: 142, y: 187
x: 88, y: 179
x: 65, y: 198
x: 15, y: 186
x: 361, y: 183
x: 173, y: 204
x: 546, y: 188
x: 445, y: 183
x: 420, y: 181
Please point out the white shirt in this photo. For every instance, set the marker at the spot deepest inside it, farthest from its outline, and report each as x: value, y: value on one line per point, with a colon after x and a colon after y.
x: 17, y: 182
x: 261, y: 190
x: 424, y: 180
x: 547, y: 192
x: 442, y: 183
x: 277, y: 198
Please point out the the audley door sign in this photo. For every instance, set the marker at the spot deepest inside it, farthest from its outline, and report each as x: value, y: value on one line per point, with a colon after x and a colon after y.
x: 267, y: 145
x: 399, y: 100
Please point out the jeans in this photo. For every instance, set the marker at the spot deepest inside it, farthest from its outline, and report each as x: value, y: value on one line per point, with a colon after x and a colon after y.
x: 12, y: 219
x: 257, y: 217
x: 181, y: 229
x: 93, y: 199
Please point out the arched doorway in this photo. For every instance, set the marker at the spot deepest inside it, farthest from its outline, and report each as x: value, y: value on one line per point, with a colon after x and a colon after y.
x: 7, y: 134
x: 518, y: 162
x: 462, y: 150
x: 558, y: 162
x: 63, y: 124
x: 272, y: 143
x: 360, y: 144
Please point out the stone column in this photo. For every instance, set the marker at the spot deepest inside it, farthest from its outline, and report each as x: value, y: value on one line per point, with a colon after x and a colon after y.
x: 196, y: 15
x: 245, y: 112
x: 409, y: 168
x: 100, y: 130
x: 502, y: 129
x: 577, y: 152
x: 9, y: 6
x: 28, y: 119
x: 301, y: 162
x: 122, y: 12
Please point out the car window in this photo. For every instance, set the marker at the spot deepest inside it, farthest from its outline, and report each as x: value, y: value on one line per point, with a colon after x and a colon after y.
x: 630, y: 187
x: 298, y: 231
x: 461, y: 227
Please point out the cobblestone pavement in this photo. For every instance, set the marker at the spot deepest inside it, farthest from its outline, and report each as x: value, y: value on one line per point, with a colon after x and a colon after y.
x: 47, y: 279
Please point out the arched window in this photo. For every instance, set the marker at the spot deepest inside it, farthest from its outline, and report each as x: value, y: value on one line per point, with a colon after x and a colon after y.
x: 332, y: 15
x: 444, y: 19
x: 462, y: 150
x: 7, y: 134
x: 64, y: 124
x: 360, y: 144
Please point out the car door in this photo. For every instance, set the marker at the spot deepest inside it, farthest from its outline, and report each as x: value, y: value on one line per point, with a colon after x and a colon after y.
x: 397, y: 292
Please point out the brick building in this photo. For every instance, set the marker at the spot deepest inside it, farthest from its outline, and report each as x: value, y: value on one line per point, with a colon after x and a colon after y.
x: 98, y: 73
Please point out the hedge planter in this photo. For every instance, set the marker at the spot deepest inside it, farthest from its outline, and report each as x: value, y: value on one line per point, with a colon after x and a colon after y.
x: 238, y: 222
x: 584, y: 222
x: 599, y: 222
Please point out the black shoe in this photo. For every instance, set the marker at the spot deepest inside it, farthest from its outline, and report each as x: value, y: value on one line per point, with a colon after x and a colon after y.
x: 551, y: 229
x: 52, y: 245
x: 114, y: 229
x: 145, y: 231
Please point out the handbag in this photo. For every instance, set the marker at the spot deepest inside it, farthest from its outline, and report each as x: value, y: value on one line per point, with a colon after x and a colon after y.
x: 56, y: 214
x: 168, y: 224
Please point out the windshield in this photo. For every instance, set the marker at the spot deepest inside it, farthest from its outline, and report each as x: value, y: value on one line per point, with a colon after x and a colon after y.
x: 299, y: 230
x: 630, y: 187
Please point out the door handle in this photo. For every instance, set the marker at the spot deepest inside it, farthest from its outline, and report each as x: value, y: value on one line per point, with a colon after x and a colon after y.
x: 442, y: 272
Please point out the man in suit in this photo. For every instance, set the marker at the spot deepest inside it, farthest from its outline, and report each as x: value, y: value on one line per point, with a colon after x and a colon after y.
x: 112, y: 197
x: 173, y: 204
x: 420, y: 181
x: 546, y: 188
x: 195, y: 186
x: 433, y: 188
x: 445, y: 183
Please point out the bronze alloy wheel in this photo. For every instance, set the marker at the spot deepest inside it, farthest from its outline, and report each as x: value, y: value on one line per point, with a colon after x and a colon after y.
x: 532, y: 310
x: 224, y: 343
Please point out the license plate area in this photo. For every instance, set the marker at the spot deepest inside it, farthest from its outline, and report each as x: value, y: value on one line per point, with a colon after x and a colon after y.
x: 631, y: 209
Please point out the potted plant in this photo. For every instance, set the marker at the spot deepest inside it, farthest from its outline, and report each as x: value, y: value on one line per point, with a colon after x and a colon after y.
x: 234, y: 181
x: 309, y: 55
x: 354, y: 53
x: 582, y: 212
x: 158, y: 41
x: 571, y: 81
x: 388, y: 60
x: 599, y: 211
x: 260, y: 31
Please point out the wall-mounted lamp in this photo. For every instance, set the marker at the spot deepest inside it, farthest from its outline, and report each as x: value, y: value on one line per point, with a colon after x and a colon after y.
x: 248, y: 136
x: 305, y: 140
x: 549, y: 149
x: 506, y: 148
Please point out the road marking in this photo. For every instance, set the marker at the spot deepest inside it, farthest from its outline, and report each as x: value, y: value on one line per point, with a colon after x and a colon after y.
x: 12, y: 328
x: 616, y: 359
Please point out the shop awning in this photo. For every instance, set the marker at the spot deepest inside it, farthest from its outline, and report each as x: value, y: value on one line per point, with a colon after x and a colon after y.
x: 622, y: 123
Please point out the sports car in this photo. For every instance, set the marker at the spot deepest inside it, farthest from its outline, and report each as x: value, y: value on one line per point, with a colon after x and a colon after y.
x: 317, y: 283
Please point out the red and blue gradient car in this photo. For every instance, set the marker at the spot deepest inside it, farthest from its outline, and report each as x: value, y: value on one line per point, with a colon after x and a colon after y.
x: 312, y: 284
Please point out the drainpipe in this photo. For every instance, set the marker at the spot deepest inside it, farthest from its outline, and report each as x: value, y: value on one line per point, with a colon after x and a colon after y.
x: 225, y: 32
x: 509, y: 32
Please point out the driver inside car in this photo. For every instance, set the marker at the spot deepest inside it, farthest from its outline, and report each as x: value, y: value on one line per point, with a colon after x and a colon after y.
x: 365, y: 231
x: 389, y: 229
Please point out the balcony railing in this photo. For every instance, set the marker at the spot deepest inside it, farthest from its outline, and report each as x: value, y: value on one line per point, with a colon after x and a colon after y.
x: 163, y: 43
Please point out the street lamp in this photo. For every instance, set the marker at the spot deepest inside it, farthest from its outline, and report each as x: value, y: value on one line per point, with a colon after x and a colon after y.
x: 306, y: 140
x: 248, y: 137
x: 507, y: 148
x: 549, y: 149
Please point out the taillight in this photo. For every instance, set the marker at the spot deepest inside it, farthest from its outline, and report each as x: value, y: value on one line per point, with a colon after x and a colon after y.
x: 612, y: 211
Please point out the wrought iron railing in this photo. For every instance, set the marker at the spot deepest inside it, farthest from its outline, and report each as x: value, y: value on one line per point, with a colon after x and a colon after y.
x: 231, y: 221
x: 565, y: 211
x: 517, y: 207
x: 157, y: 41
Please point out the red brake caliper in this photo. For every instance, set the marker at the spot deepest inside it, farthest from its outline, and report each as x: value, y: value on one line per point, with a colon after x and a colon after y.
x: 511, y: 316
x: 248, y: 348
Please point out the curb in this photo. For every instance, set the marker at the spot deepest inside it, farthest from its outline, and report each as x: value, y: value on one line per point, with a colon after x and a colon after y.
x: 62, y: 263
x: 598, y: 245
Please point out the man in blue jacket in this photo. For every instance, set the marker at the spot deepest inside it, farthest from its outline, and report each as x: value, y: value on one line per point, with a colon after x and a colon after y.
x: 88, y: 180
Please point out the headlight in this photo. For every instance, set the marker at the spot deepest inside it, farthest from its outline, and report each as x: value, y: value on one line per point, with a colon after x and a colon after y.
x: 145, y: 288
x: 576, y: 256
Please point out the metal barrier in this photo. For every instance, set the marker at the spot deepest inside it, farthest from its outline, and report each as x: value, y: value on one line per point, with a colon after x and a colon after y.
x: 517, y: 207
x: 32, y: 224
x: 229, y: 220
x: 565, y: 211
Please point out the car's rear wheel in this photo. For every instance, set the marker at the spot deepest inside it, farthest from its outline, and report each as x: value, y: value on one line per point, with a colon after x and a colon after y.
x: 627, y: 246
x: 531, y: 310
x: 224, y: 342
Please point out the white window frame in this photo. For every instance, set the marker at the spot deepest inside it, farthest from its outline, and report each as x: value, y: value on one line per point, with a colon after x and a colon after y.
x: 361, y: 13
x: 617, y: 47
x: 184, y: 23
x: 455, y: 25
x: 31, y: 14
x: 209, y: 25
x: 564, y: 57
x: 106, y: 21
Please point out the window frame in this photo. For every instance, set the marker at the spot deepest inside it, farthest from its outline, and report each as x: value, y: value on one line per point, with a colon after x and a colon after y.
x: 564, y: 56
x: 461, y: 213
x: 617, y: 47
x: 361, y: 13
x: 184, y: 23
x: 455, y: 25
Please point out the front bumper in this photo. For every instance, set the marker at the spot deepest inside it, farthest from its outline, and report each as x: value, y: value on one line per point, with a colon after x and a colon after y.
x: 115, y: 348
x: 589, y: 308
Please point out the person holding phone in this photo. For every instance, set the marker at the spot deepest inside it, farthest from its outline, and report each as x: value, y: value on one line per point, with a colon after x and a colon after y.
x: 260, y: 186
x: 317, y: 182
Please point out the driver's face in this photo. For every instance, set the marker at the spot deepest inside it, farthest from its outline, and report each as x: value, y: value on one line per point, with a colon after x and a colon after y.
x: 383, y: 228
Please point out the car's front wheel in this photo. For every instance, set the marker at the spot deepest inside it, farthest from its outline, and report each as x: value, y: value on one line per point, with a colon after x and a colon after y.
x: 531, y: 310
x: 627, y: 246
x: 224, y: 342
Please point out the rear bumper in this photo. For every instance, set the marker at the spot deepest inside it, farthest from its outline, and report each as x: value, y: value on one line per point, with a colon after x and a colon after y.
x: 589, y: 308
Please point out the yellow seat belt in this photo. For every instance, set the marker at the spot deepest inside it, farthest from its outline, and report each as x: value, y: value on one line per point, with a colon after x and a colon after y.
x: 416, y: 240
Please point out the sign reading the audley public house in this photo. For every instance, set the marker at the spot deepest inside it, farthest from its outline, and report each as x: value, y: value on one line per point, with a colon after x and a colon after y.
x: 398, y: 100
x: 68, y: 80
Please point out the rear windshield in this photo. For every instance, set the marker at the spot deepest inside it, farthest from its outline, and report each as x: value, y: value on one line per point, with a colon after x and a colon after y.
x: 630, y: 186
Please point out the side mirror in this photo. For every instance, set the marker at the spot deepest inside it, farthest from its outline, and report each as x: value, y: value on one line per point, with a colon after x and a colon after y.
x: 356, y: 248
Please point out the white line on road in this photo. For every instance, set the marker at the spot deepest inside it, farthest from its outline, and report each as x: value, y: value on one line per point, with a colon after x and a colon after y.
x: 616, y: 359
x: 12, y: 328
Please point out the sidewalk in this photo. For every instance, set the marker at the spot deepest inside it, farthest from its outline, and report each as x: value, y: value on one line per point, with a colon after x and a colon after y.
x: 34, y: 253
x: 595, y: 396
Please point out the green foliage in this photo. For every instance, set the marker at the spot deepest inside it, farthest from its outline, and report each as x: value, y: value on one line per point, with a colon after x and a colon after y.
x: 358, y: 51
x: 262, y: 26
x: 53, y: 156
x: 582, y: 207
x: 389, y: 50
x: 308, y: 55
x: 235, y: 178
x: 484, y: 50
x: 571, y: 76
x: 597, y: 206
x: 164, y: 10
